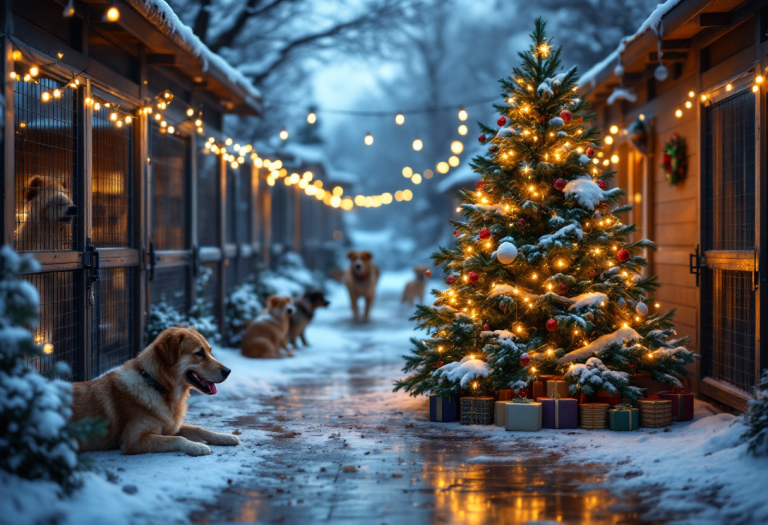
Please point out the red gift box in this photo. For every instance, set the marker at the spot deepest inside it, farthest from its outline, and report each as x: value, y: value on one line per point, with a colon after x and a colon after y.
x: 682, y: 404
x: 600, y: 397
x: 506, y: 394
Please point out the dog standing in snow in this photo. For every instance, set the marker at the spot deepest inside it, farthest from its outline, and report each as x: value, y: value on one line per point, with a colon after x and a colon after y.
x: 414, y: 290
x: 268, y: 333
x: 361, y: 278
x: 145, y: 400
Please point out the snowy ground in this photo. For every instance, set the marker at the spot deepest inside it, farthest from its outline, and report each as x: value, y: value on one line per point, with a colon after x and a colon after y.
x: 332, y: 406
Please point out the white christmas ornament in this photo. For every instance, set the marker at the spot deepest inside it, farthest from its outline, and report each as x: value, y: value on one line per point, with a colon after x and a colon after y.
x: 557, y: 123
x: 661, y: 73
x: 506, y: 253
x: 641, y: 309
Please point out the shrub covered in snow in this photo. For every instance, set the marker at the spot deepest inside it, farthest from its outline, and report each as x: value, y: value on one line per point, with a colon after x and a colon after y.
x: 242, y: 306
x: 757, y: 420
x: 199, y: 317
x: 36, y: 440
x: 594, y: 375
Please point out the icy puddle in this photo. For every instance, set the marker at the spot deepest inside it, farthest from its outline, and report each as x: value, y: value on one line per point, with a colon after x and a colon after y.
x: 342, y: 451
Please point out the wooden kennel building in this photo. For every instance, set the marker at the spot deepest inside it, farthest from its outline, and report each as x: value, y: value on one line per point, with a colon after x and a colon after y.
x: 121, y: 209
x: 710, y: 225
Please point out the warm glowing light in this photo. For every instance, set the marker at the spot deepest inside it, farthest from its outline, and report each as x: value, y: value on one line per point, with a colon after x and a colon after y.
x: 729, y: 87
x: 113, y: 117
x: 679, y: 113
x: 399, y: 119
x: 112, y: 14
x: 48, y: 348
x: 45, y: 96
x: 608, y: 140
x: 657, y: 305
x: 171, y: 130
x: 128, y: 120
x: 755, y: 88
x: 453, y: 161
x: 417, y: 145
x: 442, y: 167
x: 759, y: 79
x: 407, y: 195
x: 284, y: 135
x: 615, y: 159
x: 614, y: 129
x: 311, y: 117
x: 416, y: 179
x: 689, y: 104
x: 407, y: 172
x: 34, y: 71
x: 368, y: 139
x: 463, y: 115
x: 463, y: 130
x: 703, y: 98
x: 338, y: 191
x: 544, y: 49
x: 457, y: 147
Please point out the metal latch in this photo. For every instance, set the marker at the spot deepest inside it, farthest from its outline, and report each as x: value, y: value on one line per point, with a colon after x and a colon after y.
x: 92, y: 264
x: 694, y: 264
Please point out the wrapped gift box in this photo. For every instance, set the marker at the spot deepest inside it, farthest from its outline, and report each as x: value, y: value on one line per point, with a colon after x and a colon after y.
x: 505, y: 394
x: 601, y: 397
x: 682, y: 405
x: 655, y: 413
x: 593, y: 416
x: 538, y: 389
x: 500, y: 412
x: 525, y: 417
x: 559, y: 412
x: 443, y: 409
x: 557, y: 389
x: 477, y: 410
x: 624, y: 419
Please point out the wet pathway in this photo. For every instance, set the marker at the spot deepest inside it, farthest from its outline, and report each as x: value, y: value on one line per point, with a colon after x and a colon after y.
x: 340, y: 454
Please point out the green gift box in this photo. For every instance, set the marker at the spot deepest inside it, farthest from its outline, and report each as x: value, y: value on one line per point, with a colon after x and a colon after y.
x: 624, y: 419
x: 525, y: 417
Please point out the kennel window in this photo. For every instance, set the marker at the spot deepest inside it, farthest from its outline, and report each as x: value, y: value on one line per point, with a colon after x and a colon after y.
x: 45, y: 149
x: 208, y: 169
x: 58, y: 325
x: 112, y: 317
x: 170, y: 190
x: 113, y: 131
x: 171, y: 286
x: 730, y: 174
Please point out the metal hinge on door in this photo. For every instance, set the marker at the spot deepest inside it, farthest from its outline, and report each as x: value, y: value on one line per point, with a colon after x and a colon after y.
x: 91, y: 263
x: 695, y: 265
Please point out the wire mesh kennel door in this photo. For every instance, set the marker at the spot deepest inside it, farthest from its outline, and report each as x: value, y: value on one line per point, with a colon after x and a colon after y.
x: 170, y: 247
x: 729, y: 291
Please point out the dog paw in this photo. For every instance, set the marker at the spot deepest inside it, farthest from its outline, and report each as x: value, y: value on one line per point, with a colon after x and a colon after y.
x: 197, y: 449
x: 224, y: 440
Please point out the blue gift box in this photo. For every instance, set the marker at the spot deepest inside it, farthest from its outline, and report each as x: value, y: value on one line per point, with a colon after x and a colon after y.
x: 443, y: 409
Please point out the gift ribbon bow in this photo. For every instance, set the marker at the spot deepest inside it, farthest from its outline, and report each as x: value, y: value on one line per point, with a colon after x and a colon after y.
x: 623, y: 406
x: 523, y: 400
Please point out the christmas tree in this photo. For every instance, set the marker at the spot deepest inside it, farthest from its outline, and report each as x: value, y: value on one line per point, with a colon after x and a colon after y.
x: 543, y: 279
x: 36, y: 439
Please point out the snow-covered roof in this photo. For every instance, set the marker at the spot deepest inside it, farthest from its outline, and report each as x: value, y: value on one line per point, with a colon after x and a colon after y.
x: 159, y: 13
x: 653, y: 22
x: 462, y: 176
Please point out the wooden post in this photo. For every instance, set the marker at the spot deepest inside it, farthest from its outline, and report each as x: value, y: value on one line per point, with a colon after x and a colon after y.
x: 297, y: 219
x: 141, y: 189
x: 222, y: 237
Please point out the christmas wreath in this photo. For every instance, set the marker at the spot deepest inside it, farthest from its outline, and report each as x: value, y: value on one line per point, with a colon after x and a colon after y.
x: 673, y: 159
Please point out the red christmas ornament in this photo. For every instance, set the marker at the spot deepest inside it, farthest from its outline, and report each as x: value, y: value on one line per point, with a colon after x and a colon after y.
x: 623, y: 255
x: 450, y: 279
x: 481, y: 139
x: 561, y: 288
x: 521, y: 223
x: 590, y: 152
x: 502, y: 121
x: 473, y: 277
x: 601, y: 183
x: 591, y: 274
x: 559, y: 184
x: 493, y: 148
x: 456, y: 233
x: 525, y: 359
x: 428, y: 273
x: 485, y: 233
x: 502, y: 306
x: 551, y: 325
x: 632, y: 367
x: 486, y: 328
x: 566, y: 115
x: 439, y: 363
x: 480, y: 185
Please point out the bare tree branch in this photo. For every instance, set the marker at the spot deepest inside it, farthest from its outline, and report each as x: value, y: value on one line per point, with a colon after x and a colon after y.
x: 202, y: 20
x: 249, y: 12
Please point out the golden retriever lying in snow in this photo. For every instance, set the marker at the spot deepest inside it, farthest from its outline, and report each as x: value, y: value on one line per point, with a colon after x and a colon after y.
x: 145, y: 400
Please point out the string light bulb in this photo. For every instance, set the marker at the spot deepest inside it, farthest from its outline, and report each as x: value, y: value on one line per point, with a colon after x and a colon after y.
x: 729, y: 87
x: 112, y: 14
x: 463, y: 115
x: 679, y: 113
x: 34, y: 71
x: 608, y: 140
x: 463, y: 130
x: 614, y: 129
x: 457, y: 147
x: 284, y: 135
x: 417, y: 145
x: 399, y: 119
x: 368, y: 139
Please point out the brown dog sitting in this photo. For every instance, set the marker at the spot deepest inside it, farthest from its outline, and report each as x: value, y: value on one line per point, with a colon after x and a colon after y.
x: 268, y: 333
x: 304, y: 310
x: 145, y: 400
x: 50, y: 212
x: 361, y: 278
x: 414, y: 290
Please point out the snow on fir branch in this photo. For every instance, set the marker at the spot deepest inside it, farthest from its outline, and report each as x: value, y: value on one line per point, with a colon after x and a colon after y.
x: 464, y: 372
x: 593, y: 376
x: 622, y: 336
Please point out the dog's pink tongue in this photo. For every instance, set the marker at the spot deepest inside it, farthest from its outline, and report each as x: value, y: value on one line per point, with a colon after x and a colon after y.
x: 212, y: 386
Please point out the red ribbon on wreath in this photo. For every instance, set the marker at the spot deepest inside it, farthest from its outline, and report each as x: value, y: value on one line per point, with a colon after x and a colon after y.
x: 673, y: 159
